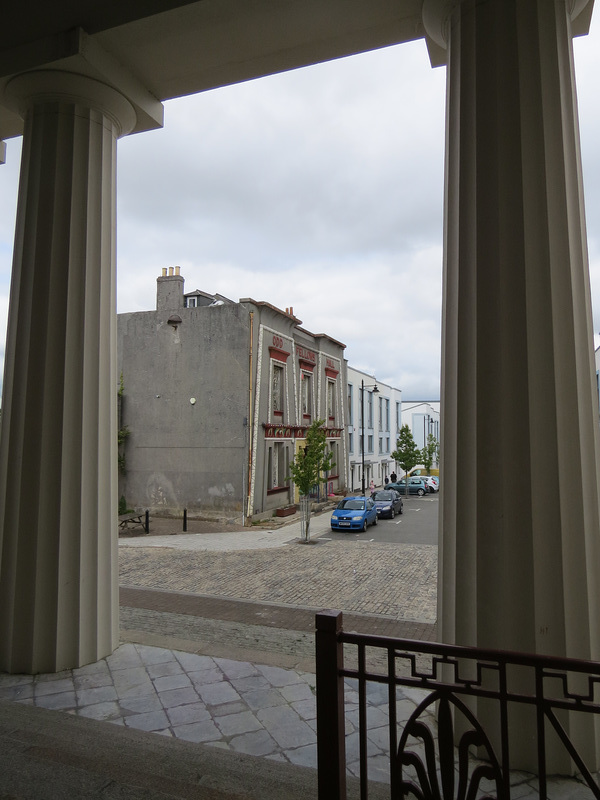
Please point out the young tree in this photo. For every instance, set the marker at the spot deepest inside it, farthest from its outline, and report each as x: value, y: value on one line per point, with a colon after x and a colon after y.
x: 429, y: 452
x: 308, y: 465
x: 406, y: 453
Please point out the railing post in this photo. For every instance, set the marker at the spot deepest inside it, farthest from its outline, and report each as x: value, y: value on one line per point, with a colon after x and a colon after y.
x: 331, y: 748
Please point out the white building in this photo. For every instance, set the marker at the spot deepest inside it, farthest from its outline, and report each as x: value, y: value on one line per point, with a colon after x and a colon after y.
x: 372, y: 430
x: 423, y: 418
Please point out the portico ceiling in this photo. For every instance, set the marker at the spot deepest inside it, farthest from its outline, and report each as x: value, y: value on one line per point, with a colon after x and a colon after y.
x: 155, y: 50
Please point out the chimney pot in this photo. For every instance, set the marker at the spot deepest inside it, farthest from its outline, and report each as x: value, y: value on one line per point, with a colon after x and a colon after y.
x: 177, y: 270
x: 170, y: 272
x: 164, y: 272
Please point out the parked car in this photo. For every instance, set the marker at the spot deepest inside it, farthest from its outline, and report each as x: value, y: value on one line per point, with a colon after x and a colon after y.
x: 415, y: 486
x: 354, y: 513
x: 431, y: 484
x: 388, y: 503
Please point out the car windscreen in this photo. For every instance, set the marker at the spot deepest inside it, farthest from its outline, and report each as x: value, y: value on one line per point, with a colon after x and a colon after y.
x: 383, y: 496
x: 353, y: 505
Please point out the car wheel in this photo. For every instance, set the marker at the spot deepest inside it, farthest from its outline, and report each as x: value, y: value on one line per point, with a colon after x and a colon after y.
x: 420, y: 492
x: 364, y: 527
x: 393, y: 514
x: 401, y: 509
x: 375, y: 521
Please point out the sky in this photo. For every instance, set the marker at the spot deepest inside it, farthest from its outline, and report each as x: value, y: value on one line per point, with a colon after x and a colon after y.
x: 320, y: 189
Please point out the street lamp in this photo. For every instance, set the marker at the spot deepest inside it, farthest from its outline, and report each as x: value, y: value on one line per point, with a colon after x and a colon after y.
x: 362, y: 427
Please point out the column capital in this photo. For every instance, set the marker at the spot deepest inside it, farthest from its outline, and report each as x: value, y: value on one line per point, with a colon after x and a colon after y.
x: 42, y: 86
x: 436, y: 15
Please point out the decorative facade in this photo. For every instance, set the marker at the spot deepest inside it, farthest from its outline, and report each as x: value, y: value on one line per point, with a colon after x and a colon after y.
x: 217, y: 397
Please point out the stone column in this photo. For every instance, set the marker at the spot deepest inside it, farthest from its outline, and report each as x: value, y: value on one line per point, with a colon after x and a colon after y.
x: 519, y: 512
x: 58, y: 459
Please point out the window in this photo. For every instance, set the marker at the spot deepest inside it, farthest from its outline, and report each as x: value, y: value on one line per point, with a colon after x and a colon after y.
x: 191, y: 302
x: 350, y: 406
x: 306, y: 394
x: 335, y: 462
x: 387, y: 414
x: 351, y: 442
x: 276, y: 466
x: 369, y: 409
x: 331, y: 400
x: 370, y: 443
x: 381, y: 413
x: 277, y: 390
x: 381, y: 444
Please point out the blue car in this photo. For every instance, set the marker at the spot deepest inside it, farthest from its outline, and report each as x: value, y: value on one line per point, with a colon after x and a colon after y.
x: 354, y: 513
x: 388, y: 503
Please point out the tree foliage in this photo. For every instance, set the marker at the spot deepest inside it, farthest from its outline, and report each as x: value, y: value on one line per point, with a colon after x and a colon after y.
x: 123, y: 431
x: 429, y: 452
x: 406, y: 453
x: 313, y: 460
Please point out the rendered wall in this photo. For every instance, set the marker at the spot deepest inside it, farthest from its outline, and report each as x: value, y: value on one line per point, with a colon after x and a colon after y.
x: 184, y: 454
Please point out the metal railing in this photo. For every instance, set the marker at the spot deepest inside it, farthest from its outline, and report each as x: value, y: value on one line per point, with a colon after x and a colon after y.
x: 442, y: 750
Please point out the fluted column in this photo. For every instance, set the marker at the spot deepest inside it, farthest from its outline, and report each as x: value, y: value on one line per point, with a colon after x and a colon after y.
x: 519, y: 520
x: 58, y: 491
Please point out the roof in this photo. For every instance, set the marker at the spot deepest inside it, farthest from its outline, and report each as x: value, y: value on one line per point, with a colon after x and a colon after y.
x: 155, y: 50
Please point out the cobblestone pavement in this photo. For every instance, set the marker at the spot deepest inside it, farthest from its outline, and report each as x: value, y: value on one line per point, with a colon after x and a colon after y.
x: 395, y: 580
x: 188, y: 599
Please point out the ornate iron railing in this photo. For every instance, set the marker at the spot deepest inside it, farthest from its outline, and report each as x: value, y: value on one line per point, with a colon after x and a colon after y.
x: 442, y: 752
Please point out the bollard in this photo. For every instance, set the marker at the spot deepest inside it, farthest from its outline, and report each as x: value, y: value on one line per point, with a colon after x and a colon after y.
x: 147, y: 525
x: 185, y: 520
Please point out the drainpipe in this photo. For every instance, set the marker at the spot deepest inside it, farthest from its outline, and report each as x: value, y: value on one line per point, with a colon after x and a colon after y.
x: 250, y: 404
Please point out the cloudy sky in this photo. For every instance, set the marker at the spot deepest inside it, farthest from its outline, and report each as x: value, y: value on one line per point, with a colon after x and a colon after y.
x: 319, y: 189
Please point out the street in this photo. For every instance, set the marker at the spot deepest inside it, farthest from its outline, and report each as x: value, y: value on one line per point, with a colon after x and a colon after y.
x: 417, y: 525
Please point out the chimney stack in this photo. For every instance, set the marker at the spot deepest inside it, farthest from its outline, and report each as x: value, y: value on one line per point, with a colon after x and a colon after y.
x: 169, y: 290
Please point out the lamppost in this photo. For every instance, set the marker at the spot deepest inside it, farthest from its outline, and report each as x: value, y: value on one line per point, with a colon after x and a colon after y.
x: 362, y: 427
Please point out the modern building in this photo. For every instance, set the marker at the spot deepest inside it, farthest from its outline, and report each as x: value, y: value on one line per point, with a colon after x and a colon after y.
x: 373, y: 411
x: 216, y: 397
x: 423, y: 419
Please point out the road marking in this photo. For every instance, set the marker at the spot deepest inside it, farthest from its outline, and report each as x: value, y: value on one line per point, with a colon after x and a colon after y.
x: 415, y: 509
x: 398, y: 523
x: 326, y: 538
